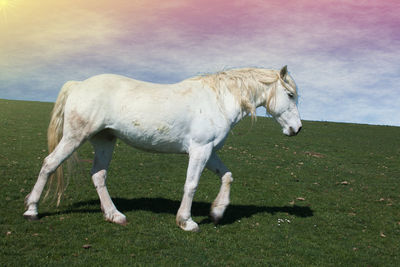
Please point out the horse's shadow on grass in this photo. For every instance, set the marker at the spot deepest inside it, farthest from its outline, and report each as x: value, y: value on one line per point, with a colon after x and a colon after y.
x: 233, y: 213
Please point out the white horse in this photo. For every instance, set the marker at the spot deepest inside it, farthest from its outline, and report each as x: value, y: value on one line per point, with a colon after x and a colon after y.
x: 193, y: 116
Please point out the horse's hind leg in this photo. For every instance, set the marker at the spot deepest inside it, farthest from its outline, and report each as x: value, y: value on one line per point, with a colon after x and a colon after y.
x: 63, y: 150
x: 222, y: 200
x: 103, y: 144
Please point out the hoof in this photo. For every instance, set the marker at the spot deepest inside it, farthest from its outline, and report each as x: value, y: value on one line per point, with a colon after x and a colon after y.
x: 121, y: 221
x: 117, y: 218
x: 189, y: 226
x: 31, y: 217
x: 217, y: 213
x: 214, y: 218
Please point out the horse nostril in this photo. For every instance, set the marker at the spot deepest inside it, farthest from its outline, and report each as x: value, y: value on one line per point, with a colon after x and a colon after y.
x: 299, y: 129
x: 291, y: 131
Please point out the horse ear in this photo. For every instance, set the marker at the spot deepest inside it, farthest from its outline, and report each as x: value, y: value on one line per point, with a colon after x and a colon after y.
x: 283, y: 72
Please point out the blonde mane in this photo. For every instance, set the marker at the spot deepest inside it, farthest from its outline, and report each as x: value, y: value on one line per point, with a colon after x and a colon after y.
x: 246, y: 85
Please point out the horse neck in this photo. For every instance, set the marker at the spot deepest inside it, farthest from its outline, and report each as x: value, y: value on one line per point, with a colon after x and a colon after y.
x: 262, y: 93
x: 235, y: 111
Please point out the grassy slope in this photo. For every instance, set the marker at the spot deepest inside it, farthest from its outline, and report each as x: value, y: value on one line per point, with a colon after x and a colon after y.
x: 329, y: 196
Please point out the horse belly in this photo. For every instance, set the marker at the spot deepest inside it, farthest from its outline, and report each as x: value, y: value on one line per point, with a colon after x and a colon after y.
x: 160, y: 138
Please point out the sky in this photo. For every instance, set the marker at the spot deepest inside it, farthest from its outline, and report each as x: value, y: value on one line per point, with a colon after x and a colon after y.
x: 344, y: 55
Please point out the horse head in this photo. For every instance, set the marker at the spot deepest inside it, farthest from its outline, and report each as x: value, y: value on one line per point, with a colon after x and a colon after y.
x: 282, y: 103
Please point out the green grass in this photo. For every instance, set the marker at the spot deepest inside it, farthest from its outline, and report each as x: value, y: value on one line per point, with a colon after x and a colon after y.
x: 328, y: 197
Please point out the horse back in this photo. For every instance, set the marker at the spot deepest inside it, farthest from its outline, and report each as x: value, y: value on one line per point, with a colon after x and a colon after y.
x: 160, y: 117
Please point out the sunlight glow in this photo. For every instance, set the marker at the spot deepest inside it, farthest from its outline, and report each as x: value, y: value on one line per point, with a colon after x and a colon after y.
x: 5, y: 7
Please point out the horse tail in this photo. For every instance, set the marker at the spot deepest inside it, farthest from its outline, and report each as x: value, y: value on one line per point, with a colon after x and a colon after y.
x: 54, y: 135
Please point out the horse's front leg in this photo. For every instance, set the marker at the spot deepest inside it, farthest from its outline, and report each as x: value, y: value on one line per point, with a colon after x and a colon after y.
x: 221, y: 202
x: 198, y: 157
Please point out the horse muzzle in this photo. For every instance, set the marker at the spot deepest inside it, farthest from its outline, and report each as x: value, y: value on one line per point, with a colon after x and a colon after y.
x: 292, y: 131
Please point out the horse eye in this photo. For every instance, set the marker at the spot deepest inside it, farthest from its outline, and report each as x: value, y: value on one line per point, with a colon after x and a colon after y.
x: 291, y: 95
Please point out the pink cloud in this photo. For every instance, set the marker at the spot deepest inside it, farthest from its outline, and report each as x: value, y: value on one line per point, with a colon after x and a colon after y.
x: 332, y: 47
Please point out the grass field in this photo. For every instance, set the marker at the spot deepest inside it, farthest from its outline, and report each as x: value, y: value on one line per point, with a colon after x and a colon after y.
x: 328, y: 197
